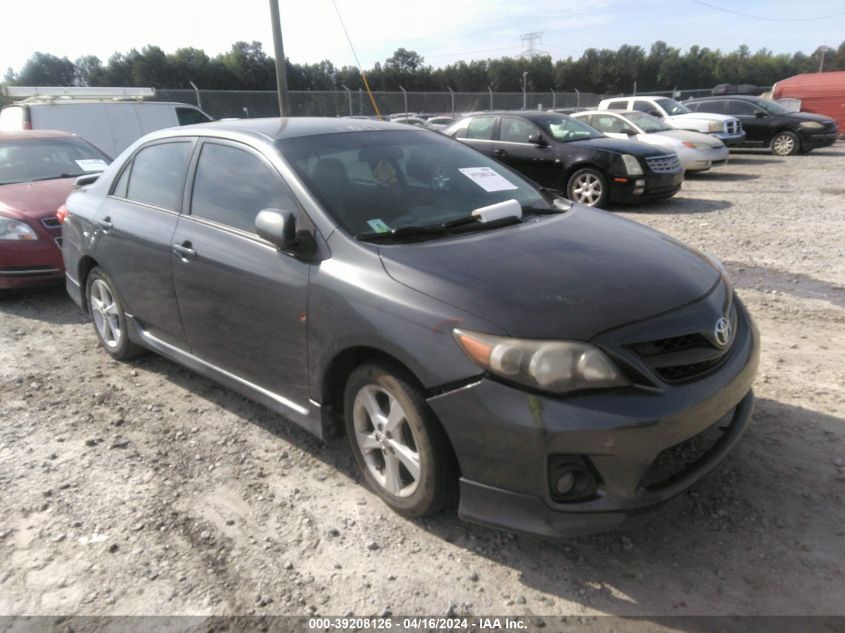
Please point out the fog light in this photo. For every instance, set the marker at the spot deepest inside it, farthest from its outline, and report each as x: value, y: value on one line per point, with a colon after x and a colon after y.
x: 571, y: 478
x: 565, y: 483
x: 640, y: 183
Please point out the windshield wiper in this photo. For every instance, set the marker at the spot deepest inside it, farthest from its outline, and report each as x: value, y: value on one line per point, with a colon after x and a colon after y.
x: 62, y: 175
x: 428, y: 230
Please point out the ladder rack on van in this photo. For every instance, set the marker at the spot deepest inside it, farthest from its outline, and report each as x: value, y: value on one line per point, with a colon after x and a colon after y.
x: 36, y: 94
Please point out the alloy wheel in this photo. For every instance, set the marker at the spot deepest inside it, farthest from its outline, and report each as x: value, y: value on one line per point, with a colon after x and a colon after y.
x: 587, y: 189
x: 783, y: 145
x: 387, y: 441
x: 105, y: 312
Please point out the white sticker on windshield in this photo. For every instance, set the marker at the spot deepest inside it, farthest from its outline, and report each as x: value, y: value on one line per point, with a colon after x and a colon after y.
x: 487, y: 179
x: 91, y: 164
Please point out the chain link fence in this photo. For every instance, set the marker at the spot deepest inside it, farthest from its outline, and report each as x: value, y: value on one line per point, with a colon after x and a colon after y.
x: 222, y: 104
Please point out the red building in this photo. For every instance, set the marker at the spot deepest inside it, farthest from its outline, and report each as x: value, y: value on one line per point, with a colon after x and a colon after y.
x: 821, y: 93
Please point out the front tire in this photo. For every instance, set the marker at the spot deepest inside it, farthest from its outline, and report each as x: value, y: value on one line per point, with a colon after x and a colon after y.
x: 785, y: 144
x: 398, y: 444
x: 588, y: 186
x: 108, y: 316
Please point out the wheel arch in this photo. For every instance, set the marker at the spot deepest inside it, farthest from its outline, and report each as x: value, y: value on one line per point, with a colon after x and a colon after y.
x: 83, y: 269
x: 337, y: 372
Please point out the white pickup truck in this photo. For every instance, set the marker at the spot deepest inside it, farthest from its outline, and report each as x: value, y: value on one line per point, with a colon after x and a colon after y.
x: 726, y: 128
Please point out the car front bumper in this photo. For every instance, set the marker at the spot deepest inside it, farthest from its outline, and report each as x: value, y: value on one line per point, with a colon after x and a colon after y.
x: 701, y: 159
x: 816, y: 140
x: 730, y: 140
x: 633, y: 189
x: 25, y: 263
x: 505, y: 439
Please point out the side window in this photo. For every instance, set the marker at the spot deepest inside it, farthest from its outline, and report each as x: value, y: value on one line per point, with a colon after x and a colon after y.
x: 622, y: 104
x: 122, y: 182
x: 232, y: 185
x: 605, y: 123
x: 459, y: 130
x: 481, y: 128
x: 735, y: 106
x: 644, y: 106
x: 158, y: 174
x: 714, y: 107
x: 516, y: 130
x: 189, y: 116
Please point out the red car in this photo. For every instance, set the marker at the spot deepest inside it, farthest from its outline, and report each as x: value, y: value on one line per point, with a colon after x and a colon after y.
x: 37, y: 172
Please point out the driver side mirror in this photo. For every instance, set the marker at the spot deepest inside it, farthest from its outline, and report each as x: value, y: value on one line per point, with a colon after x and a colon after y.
x: 277, y: 227
x: 629, y: 131
x: 537, y: 140
x: 655, y: 113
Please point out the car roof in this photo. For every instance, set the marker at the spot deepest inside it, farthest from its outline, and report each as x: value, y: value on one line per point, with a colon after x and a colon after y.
x: 33, y: 134
x: 741, y: 97
x: 277, y: 128
x: 528, y: 114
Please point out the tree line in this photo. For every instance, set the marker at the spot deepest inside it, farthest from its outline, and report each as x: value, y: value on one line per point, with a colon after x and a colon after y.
x: 246, y: 66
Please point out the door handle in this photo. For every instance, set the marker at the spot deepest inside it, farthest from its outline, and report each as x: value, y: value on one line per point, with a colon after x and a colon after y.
x: 499, y: 152
x: 106, y: 224
x: 184, y: 250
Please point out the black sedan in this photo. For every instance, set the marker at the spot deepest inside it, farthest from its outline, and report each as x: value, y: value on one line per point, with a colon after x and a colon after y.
x: 768, y: 124
x: 566, y: 155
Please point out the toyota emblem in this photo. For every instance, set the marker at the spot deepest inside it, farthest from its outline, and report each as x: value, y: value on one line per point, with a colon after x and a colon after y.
x: 723, y: 332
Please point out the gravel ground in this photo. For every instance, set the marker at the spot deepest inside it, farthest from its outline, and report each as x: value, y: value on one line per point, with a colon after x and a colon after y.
x: 142, y: 488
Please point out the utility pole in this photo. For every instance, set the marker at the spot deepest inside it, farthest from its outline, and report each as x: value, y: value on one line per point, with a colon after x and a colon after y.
x: 281, y: 71
x: 822, y: 54
x: 525, y: 90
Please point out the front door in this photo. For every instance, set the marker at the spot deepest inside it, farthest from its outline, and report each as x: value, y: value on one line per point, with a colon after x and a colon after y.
x: 243, y: 302
x: 538, y: 162
x: 756, y: 127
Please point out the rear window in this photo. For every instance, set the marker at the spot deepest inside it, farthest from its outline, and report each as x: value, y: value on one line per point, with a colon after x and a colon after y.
x: 157, y: 176
x: 189, y: 116
x: 618, y: 105
x: 27, y: 160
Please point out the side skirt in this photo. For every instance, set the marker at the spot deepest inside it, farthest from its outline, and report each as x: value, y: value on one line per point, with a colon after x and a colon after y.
x: 307, y: 416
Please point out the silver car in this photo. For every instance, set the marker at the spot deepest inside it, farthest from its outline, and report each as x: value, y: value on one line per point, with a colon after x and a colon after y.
x: 697, y: 151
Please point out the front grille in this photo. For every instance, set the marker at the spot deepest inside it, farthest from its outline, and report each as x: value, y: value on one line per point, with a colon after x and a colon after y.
x: 680, y: 358
x: 733, y: 127
x: 666, y: 164
x: 676, y: 462
x: 673, y: 344
x: 51, y: 223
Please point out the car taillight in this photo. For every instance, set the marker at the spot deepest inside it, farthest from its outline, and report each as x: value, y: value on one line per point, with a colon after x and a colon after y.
x: 62, y: 214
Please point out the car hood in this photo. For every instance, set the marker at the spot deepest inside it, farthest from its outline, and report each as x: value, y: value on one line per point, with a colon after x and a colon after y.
x: 703, y: 116
x: 618, y: 146
x: 35, y: 200
x: 694, y: 137
x: 569, y: 276
x: 809, y: 116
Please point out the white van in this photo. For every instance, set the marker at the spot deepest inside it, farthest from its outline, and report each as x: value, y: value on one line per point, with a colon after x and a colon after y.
x: 110, y: 125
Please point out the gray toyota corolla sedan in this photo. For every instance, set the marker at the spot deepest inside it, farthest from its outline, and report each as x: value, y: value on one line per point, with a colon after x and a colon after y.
x: 551, y: 367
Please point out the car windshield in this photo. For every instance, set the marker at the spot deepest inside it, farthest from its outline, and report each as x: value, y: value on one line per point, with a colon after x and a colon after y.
x: 772, y: 107
x: 565, y: 129
x: 30, y: 159
x: 647, y: 122
x: 380, y: 181
x: 671, y: 106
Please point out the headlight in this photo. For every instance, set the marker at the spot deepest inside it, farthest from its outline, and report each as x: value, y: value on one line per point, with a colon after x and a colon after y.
x: 714, y: 126
x: 701, y: 146
x: 632, y: 165
x: 554, y: 366
x: 812, y: 125
x: 15, y: 230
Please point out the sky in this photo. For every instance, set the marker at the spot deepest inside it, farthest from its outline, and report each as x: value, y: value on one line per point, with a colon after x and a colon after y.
x: 442, y: 31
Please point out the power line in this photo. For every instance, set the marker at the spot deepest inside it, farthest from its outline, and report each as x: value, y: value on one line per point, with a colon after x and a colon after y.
x: 768, y: 18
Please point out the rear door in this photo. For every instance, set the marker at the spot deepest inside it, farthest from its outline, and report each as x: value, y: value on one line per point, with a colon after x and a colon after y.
x: 135, y: 226
x: 480, y: 134
x: 243, y: 302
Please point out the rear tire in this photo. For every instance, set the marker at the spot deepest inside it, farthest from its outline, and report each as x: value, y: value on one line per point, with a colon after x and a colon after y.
x: 108, y: 316
x: 399, y: 446
x: 785, y: 144
x: 588, y: 186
